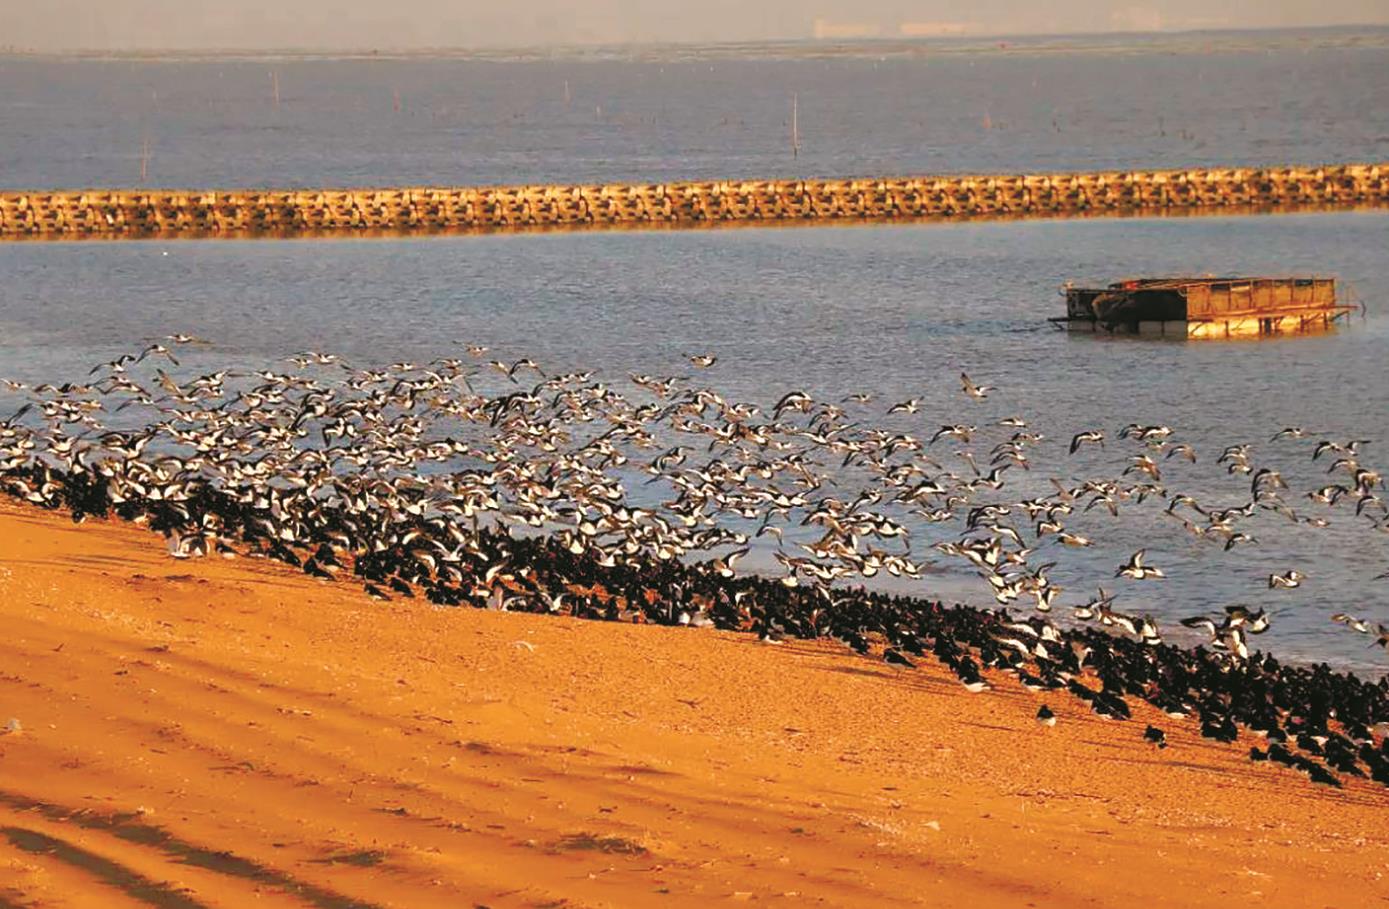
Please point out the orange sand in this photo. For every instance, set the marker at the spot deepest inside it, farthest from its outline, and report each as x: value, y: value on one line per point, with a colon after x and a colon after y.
x: 230, y: 733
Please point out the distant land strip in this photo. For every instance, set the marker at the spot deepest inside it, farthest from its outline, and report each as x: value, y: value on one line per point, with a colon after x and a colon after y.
x: 213, y: 213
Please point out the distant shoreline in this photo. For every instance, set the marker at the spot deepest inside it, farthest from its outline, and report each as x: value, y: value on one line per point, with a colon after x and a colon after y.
x: 883, y: 48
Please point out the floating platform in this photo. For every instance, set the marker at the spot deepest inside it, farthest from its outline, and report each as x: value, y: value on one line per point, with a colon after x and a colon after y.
x: 1205, y: 307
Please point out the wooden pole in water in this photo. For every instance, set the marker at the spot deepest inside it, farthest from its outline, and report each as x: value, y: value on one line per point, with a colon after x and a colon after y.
x: 795, y: 127
x: 275, y: 87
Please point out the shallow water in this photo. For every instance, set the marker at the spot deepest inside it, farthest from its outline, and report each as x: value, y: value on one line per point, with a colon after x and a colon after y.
x: 1260, y: 98
x: 897, y: 310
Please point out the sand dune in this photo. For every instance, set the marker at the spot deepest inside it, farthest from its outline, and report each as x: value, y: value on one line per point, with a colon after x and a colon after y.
x: 229, y: 733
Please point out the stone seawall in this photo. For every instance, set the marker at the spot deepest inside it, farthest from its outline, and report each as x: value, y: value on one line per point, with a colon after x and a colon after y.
x: 217, y: 212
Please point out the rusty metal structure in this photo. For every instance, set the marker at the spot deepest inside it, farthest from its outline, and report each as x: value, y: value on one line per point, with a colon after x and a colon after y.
x: 131, y: 212
x: 1205, y: 307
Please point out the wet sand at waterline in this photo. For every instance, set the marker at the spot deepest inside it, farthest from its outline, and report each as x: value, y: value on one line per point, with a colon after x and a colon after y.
x: 215, y: 732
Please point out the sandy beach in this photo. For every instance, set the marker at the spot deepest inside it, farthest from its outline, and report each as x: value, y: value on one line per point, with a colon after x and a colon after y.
x: 218, y: 732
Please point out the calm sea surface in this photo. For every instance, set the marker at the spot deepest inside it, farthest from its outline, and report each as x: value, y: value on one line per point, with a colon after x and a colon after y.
x: 897, y: 310
x: 1082, y: 104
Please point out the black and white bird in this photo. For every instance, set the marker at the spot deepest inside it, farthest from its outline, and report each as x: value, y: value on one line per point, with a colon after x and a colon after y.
x: 977, y: 392
x: 1135, y: 569
x: 1351, y: 622
x: 1089, y: 436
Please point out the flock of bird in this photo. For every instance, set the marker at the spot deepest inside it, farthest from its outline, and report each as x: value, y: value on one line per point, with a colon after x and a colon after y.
x: 482, y: 482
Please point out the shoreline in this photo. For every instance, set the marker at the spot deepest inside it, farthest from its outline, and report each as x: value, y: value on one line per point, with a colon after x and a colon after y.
x: 786, y: 48
x: 337, y: 751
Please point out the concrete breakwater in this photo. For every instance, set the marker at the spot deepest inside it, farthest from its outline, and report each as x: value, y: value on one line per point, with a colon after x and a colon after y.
x: 209, y: 212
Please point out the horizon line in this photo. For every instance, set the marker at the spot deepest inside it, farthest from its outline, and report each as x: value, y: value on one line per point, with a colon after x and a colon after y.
x: 558, y: 48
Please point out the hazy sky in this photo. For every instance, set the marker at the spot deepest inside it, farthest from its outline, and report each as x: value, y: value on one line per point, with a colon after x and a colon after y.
x: 399, y: 24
